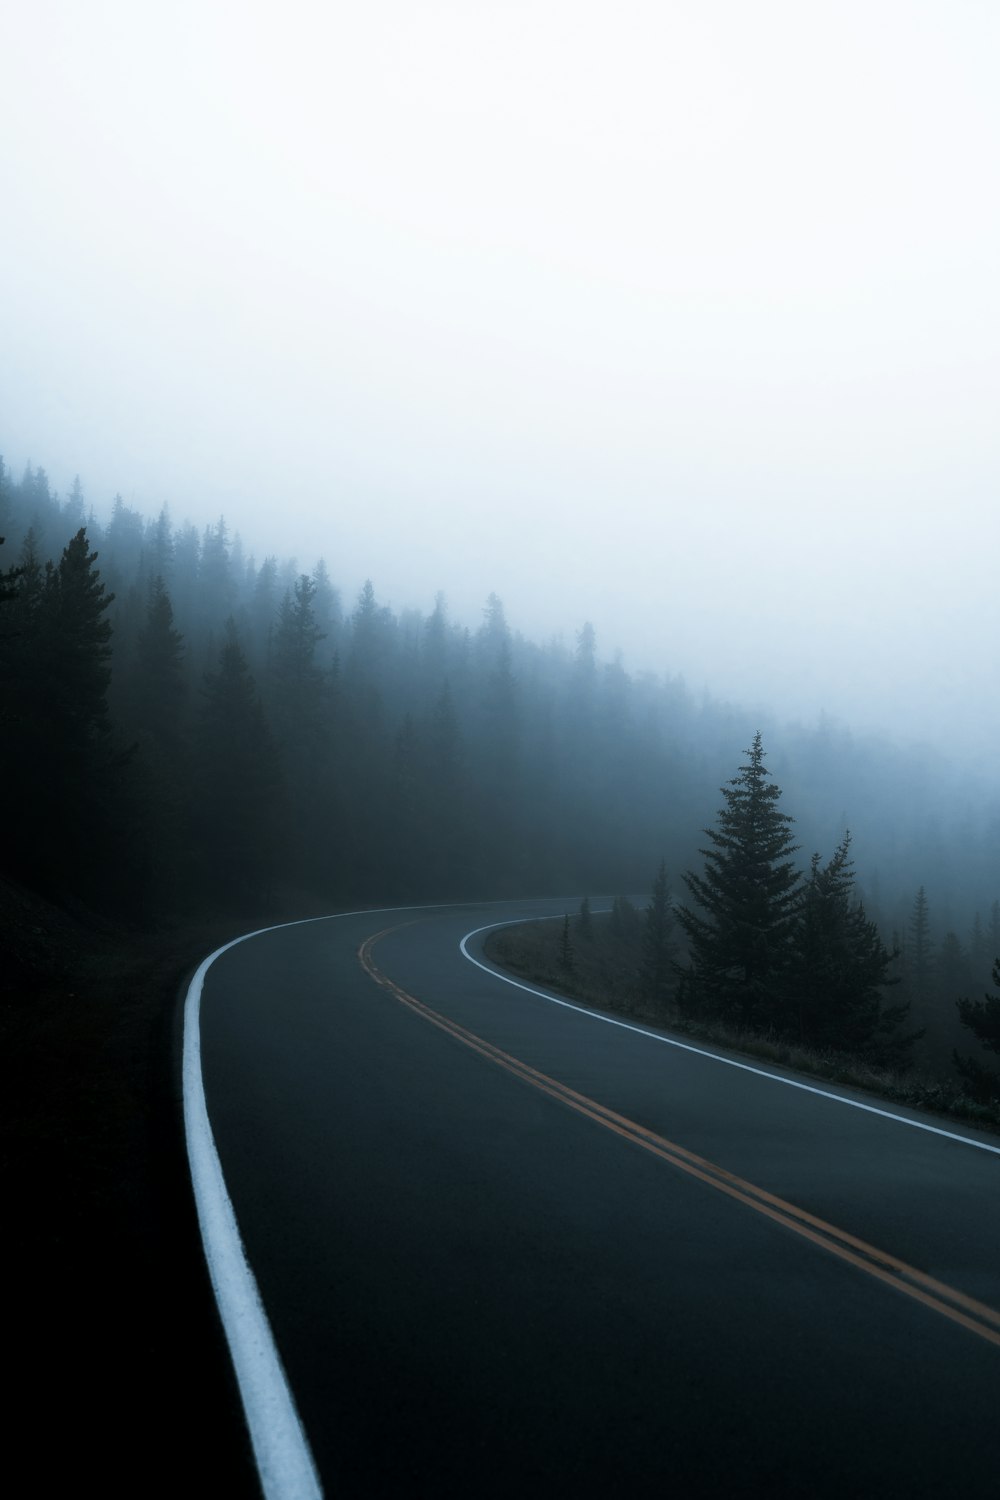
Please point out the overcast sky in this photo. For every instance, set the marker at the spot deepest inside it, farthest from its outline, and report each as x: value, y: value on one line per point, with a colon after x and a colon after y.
x: 683, y: 318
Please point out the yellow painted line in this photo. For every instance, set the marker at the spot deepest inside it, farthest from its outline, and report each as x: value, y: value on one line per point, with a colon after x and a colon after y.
x: 975, y: 1316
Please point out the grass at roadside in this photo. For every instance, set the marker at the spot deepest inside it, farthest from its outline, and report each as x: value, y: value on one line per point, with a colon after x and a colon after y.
x: 604, y: 975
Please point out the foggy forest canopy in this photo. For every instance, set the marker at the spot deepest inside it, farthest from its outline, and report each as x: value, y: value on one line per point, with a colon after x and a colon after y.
x: 188, y: 728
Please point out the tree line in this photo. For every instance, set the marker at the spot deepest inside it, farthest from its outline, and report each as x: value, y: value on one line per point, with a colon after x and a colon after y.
x: 766, y: 948
x: 186, y: 728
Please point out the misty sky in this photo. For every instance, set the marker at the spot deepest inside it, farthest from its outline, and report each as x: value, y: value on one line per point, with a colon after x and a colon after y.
x: 680, y: 317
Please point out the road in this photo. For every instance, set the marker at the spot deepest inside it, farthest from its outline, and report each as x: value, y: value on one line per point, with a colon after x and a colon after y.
x: 507, y: 1248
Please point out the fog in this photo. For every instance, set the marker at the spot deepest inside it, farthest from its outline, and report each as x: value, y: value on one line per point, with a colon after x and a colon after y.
x: 683, y: 319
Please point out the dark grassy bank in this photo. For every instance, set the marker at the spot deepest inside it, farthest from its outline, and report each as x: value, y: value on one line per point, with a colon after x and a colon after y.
x: 605, y: 974
x: 121, y: 1373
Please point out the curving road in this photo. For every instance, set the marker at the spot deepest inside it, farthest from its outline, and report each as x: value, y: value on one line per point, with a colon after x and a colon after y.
x: 508, y: 1248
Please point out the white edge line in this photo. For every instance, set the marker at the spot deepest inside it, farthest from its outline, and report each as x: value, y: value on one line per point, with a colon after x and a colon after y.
x: 656, y: 1036
x: 281, y: 1450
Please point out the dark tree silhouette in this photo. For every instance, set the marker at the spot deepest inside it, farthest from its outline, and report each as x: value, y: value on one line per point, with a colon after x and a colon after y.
x: 658, y: 971
x: 234, y: 814
x: 158, y: 687
x: 982, y: 1017
x: 58, y: 753
x: 740, y: 946
x: 920, y: 955
x: 567, y: 959
x: 840, y: 969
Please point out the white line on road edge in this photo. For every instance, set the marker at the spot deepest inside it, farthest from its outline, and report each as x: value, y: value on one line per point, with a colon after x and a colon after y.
x: 281, y: 1449
x: 656, y: 1036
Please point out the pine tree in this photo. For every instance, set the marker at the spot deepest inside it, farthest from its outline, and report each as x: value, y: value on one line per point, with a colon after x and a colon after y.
x: 216, y: 594
x: 740, y: 948
x: 977, y: 945
x: 80, y: 637
x: 920, y: 955
x: 123, y: 544
x: 234, y: 812
x: 434, y: 653
x: 74, y: 510
x: 410, y: 838
x: 567, y: 960
x: 446, y: 797
x: 159, y: 547
x: 952, y: 968
x: 840, y: 968
x: 982, y: 1017
x: 658, y: 948
x: 625, y: 923
x: 156, y: 699
x: 57, y: 752
x: 8, y: 579
x: 367, y: 645
x: 296, y: 680
x: 326, y: 602
x: 157, y: 689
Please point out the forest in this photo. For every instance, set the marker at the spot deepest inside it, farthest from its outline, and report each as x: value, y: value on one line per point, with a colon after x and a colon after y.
x: 189, y: 729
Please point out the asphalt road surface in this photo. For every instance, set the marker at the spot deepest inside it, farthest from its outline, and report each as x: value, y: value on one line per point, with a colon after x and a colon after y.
x: 507, y: 1248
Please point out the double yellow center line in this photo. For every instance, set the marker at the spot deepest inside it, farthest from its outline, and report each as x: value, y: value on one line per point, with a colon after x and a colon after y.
x: 975, y: 1316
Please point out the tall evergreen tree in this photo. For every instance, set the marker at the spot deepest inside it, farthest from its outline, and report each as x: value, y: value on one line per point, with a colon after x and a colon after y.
x: 740, y: 941
x: 625, y: 922
x: 8, y: 579
x: 952, y: 968
x: 123, y: 545
x: 408, y: 841
x: 5, y: 497
x: 446, y: 796
x: 977, y: 945
x: 658, y: 947
x: 157, y: 689
x: 234, y: 811
x: 982, y: 1017
x: 80, y: 636
x: 434, y: 655
x: 263, y: 610
x: 216, y: 592
x: 156, y: 703
x: 326, y: 603
x: 293, y: 651
x: 841, y: 969
x: 159, y: 547
x: 58, y: 753
x: 920, y: 956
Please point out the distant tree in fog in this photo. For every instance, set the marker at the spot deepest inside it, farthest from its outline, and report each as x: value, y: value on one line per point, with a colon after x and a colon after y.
x: 158, y: 687
x: 920, y: 950
x: 658, y: 948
